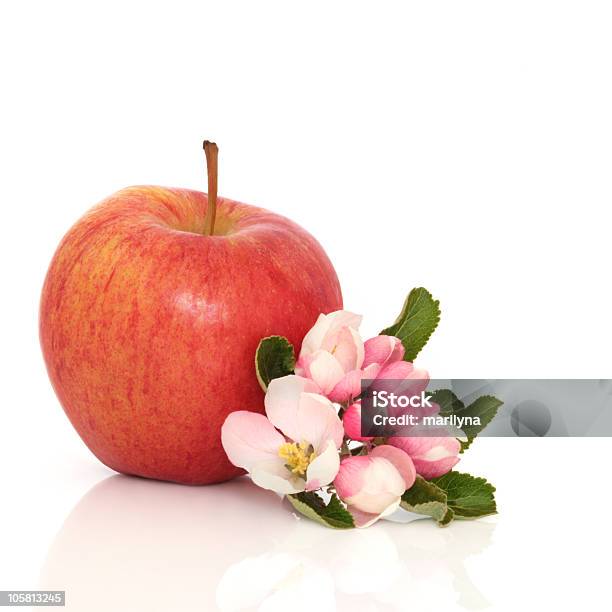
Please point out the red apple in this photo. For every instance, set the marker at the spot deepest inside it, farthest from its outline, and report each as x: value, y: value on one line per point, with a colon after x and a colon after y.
x: 149, y: 324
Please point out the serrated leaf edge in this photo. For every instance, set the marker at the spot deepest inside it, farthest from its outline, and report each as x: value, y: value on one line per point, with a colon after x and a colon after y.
x: 478, y: 480
x: 393, y: 329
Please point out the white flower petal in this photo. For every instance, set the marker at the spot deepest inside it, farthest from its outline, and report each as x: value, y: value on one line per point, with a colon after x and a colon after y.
x: 325, y: 371
x: 365, y: 519
x: 249, y: 438
x: 274, y: 476
x: 346, y: 346
x: 326, y: 324
x: 282, y: 402
x: 314, y: 338
x: 344, y: 317
x: 359, y: 345
x: 324, y: 467
x: 318, y: 422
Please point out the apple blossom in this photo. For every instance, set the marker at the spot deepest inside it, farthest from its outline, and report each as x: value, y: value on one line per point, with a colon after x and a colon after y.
x: 303, y: 450
x: 336, y: 359
x: 387, y: 353
x: 432, y: 456
x: 305, y: 457
x: 332, y: 356
x: 372, y: 485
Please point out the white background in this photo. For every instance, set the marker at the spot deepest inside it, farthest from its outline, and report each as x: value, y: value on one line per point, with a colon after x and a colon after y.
x: 463, y: 146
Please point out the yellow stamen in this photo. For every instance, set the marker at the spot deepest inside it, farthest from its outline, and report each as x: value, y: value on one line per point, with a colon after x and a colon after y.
x: 297, y: 456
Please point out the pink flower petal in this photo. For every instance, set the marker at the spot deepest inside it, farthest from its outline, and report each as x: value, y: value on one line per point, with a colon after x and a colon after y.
x: 401, y: 460
x: 314, y: 338
x: 350, y: 478
x: 318, y: 422
x: 434, y: 469
x: 381, y: 485
x: 325, y: 371
x: 326, y: 326
x: 348, y: 388
x: 370, y: 485
x: 398, y: 370
x: 382, y: 350
x: 432, y: 456
x: 249, y: 438
x: 358, y: 342
x: 313, y: 485
x: 371, y: 372
x: 282, y: 402
x: 351, y: 419
x: 414, y: 379
x: 347, y: 347
x: 341, y: 318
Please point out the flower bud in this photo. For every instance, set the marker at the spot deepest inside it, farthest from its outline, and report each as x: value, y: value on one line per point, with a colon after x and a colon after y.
x: 351, y: 420
x: 374, y: 483
x: 432, y: 456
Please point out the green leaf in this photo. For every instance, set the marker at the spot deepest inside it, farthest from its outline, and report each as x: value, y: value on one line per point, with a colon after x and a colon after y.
x: 452, y: 496
x: 274, y: 358
x: 449, y: 403
x: 416, y: 322
x: 334, y: 514
x: 485, y: 407
x: 467, y: 496
x: 426, y: 498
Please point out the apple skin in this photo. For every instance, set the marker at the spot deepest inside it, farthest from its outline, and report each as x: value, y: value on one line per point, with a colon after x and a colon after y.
x: 149, y: 328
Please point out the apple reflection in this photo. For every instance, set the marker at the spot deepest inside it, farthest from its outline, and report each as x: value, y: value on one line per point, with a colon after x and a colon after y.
x: 133, y: 544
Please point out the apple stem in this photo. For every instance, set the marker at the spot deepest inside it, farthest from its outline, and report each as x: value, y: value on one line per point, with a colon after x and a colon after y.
x: 212, y: 155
